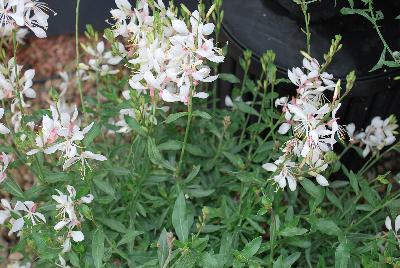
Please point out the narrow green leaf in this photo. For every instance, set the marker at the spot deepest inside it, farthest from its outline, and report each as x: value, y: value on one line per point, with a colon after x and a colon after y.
x: 163, y: 249
x: 201, y: 114
x: 251, y: 248
x: 156, y: 157
x: 179, y: 219
x: 328, y: 227
x: 105, y: 186
x: 292, y: 231
x: 113, y: 224
x: 173, y: 117
x: 13, y: 188
x: 129, y: 237
x: 98, y: 248
x: 229, y: 78
x: 135, y: 126
x: 342, y: 255
x: 92, y: 134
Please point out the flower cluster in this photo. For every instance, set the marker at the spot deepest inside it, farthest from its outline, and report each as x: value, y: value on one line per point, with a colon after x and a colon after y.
x: 10, y: 84
x: 15, y: 217
x: 20, y: 13
x: 169, y: 57
x: 69, y: 218
x: 313, y: 122
x: 61, y: 132
x: 377, y: 135
x: 101, y: 60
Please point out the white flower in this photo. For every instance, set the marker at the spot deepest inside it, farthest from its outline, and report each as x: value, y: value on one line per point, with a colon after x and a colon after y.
x: 62, y: 263
x: 377, y: 135
x: 4, y: 161
x: 27, y: 207
x: 3, y: 129
x: 69, y: 218
x: 5, y: 213
x: 101, y: 60
x: 11, y: 11
x: 82, y: 158
x: 389, y: 226
x: 284, y: 176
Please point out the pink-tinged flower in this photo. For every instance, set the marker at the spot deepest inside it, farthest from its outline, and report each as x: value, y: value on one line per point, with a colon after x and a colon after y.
x: 5, y: 213
x: 4, y: 161
x: 27, y: 207
x: 69, y: 218
x: 3, y: 129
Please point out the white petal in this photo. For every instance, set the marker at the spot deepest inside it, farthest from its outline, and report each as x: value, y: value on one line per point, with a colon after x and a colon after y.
x: 77, y: 236
x: 60, y: 225
x: 284, y: 128
x: 3, y: 129
x: 17, y: 225
x: 292, y: 183
x: 269, y: 167
x: 180, y: 27
x: 208, y: 28
x: 397, y: 223
x: 322, y: 180
x: 388, y: 223
x: 201, y: 95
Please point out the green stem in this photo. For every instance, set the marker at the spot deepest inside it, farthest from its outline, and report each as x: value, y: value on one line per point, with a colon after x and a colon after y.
x: 78, y: 55
x: 17, y: 75
x: 190, y: 115
x: 248, y: 115
x: 307, y: 24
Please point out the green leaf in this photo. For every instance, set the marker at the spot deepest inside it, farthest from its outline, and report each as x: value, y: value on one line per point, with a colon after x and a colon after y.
x: 201, y: 114
x: 171, y: 145
x: 245, y: 108
x: 92, y: 134
x: 328, y: 227
x: 115, y: 225
x: 13, y: 188
x: 251, y: 248
x: 342, y: 255
x: 292, y: 231
x: 192, y: 174
x: 291, y: 259
x: 234, y: 159
x: 173, y: 117
x: 163, y: 249
x: 370, y: 194
x: 98, y: 248
x: 179, y: 219
x: 334, y: 200
x: 156, y: 157
x: 57, y: 177
x: 105, y: 186
x: 229, y: 78
x: 315, y: 191
x: 135, y: 126
x: 129, y: 237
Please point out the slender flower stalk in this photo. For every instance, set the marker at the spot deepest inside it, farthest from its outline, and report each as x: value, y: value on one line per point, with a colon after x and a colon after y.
x: 187, y: 130
x: 79, y: 83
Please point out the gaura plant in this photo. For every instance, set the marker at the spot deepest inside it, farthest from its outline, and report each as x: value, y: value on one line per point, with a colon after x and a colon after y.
x: 145, y: 171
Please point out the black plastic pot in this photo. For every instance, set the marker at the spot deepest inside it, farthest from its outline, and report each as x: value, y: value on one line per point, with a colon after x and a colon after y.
x: 320, y: 10
x: 94, y: 12
x: 260, y: 25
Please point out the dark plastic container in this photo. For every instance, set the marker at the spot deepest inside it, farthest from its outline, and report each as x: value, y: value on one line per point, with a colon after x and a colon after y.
x: 260, y: 25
